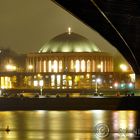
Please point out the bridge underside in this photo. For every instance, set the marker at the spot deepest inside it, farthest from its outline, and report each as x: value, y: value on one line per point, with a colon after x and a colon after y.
x: 117, y: 21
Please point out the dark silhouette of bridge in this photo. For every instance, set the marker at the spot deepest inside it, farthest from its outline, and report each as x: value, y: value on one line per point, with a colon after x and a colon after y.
x: 117, y: 21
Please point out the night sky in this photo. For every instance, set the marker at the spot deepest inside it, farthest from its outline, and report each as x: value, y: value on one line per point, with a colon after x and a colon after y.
x: 26, y: 25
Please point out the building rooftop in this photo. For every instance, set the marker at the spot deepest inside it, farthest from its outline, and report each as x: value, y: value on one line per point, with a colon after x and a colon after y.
x: 69, y: 42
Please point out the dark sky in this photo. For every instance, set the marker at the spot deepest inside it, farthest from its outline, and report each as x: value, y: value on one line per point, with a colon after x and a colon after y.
x: 26, y: 25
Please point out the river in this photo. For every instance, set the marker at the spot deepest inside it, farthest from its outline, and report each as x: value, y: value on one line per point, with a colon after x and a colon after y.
x: 69, y: 125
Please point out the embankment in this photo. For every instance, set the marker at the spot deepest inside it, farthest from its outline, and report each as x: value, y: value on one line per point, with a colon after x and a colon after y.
x: 101, y: 103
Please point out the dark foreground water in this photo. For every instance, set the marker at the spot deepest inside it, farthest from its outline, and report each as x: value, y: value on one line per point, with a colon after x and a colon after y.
x: 70, y: 125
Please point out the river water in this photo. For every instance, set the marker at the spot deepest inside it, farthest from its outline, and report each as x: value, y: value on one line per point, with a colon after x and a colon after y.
x: 70, y: 125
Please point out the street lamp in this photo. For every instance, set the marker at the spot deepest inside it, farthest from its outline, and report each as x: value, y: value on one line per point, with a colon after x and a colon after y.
x: 130, y: 85
x: 41, y: 83
x: 116, y: 85
x: 97, y: 81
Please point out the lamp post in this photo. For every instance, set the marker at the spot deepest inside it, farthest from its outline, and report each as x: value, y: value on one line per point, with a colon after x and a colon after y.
x: 98, y: 80
x: 116, y: 86
x: 41, y: 83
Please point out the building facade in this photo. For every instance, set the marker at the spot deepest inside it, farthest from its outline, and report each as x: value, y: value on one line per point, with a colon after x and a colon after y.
x: 70, y: 60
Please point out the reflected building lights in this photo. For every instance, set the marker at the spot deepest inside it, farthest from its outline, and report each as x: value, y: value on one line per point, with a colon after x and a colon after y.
x: 62, y: 125
x: 124, y: 123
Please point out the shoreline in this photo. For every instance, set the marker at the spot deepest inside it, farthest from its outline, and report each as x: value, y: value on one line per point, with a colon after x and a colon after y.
x: 96, y: 103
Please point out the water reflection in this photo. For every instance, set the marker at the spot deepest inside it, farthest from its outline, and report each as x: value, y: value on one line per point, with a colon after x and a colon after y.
x: 71, y: 125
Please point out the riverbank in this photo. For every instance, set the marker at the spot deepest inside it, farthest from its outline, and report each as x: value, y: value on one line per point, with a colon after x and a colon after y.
x: 96, y: 103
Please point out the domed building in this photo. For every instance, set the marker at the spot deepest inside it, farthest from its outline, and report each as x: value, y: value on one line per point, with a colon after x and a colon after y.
x: 70, y: 60
x: 69, y: 43
x: 71, y: 53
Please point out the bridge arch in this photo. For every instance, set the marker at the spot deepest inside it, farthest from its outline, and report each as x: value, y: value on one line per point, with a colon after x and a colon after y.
x: 90, y: 13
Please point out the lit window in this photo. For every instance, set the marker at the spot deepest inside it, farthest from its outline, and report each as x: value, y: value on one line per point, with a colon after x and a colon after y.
x: 77, y: 66
x: 72, y: 65
x: 55, y: 66
x: 102, y: 66
x: 52, y: 80
x: 58, y: 80
x: 60, y: 66
x: 64, y: 76
x: 93, y: 66
x: 44, y: 66
x: 35, y: 83
x: 88, y: 66
x: 49, y: 66
x: 83, y: 66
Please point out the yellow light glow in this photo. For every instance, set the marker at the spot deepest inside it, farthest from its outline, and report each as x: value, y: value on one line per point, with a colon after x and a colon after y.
x: 35, y: 83
x: 69, y: 30
x: 41, y: 83
x: 72, y: 65
x: 60, y: 66
x: 10, y: 67
x: 52, y: 80
x: 88, y: 76
x: 39, y: 75
x: 6, y: 82
x: 132, y: 77
x: 77, y: 79
x: 123, y: 67
x: 99, y: 66
x: 116, y: 85
x: 70, y: 83
x: 83, y: 66
x: 77, y: 66
x: 55, y: 66
x: 14, y: 67
x: 44, y: 64
x: 49, y: 66
x: 58, y: 80
x: 98, y: 80
x: 88, y: 66
x: 30, y: 67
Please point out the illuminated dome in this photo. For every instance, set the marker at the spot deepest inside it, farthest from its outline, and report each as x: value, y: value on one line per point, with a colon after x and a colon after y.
x: 69, y: 43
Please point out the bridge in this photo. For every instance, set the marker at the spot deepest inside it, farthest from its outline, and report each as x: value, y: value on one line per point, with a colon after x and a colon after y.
x: 117, y: 21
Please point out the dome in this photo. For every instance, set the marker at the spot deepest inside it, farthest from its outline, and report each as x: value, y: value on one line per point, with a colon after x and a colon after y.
x: 69, y: 43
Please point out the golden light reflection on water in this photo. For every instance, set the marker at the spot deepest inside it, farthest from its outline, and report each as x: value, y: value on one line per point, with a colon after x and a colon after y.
x: 124, y: 119
x: 63, y: 125
x: 124, y: 123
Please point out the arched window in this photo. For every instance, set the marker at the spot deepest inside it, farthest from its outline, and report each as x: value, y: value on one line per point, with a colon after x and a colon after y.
x: 60, y: 66
x: 55, y: 66
x: 44, y: 66
x: 88, y: 65
x: 93, y: 66
x: 71, y: 65
x: 77, y: 66
x: 102, y: 66
x: 83, y: 67
x: 40, y: 65
x: 49, y: 66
